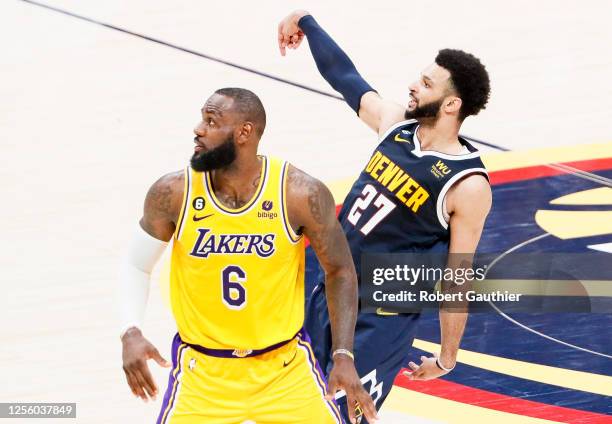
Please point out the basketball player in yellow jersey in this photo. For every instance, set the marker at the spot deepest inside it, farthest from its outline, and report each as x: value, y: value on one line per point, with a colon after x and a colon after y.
x: 237, y: 222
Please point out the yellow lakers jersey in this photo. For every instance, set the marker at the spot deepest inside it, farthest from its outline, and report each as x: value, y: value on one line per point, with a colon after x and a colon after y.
x: 237, y: 275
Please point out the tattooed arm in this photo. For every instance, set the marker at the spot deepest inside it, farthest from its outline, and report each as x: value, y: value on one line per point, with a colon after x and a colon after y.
x: 161, y: 210
x: 312, y: 210
x: 162, y: 206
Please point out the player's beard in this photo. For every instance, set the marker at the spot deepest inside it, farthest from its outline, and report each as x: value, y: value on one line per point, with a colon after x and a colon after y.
x: 429, y: 110
x: 221, y: 156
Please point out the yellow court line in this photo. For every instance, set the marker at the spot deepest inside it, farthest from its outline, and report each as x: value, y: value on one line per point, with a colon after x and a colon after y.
x: 593, y: 196
x: 574, y: 224
x: 512, y: 160
x: 440, y: 409
x: 533, y: 157
x: 582, y: 288
x: 577, y: 380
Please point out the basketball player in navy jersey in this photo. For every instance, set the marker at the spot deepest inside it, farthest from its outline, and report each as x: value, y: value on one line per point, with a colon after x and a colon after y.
x: 424, y: 189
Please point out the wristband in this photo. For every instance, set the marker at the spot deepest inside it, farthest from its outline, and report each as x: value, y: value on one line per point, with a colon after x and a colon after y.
x: 343, y: 352
x: 439, y: 364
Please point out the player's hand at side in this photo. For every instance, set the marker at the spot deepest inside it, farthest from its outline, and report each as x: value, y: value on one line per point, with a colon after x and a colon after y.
x: 289, y: 33
x: 427, y: 370
x: 343, y: 376
x: 136, y: 351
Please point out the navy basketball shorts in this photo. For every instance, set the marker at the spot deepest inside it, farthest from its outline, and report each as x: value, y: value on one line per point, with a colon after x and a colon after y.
x: 382, y: 346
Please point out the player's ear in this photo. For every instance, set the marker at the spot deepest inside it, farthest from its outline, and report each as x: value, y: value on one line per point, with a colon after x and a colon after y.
x: 244, y: 132
x: 452, y: 104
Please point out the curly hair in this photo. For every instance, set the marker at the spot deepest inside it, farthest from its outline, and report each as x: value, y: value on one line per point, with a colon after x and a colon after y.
x: 469, y: 78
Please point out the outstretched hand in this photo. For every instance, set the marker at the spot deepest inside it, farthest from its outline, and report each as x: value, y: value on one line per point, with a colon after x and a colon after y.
x: 343, y: 376
x: 427, y: 370
x: 136, y: 351
x: 289, y: 33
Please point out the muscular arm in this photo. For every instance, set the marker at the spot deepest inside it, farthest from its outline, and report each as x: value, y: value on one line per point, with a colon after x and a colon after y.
x: 340, y: 72
x: 311, y: 208
x: 145, y: 248
x: 161, y: 211
x: 468, y: 203
x: 162, y: 206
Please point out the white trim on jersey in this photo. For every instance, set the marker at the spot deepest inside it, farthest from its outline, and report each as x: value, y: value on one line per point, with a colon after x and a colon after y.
x: 447, y: 187
x: 394, y: 127
x: 420, y: 153
x: 282, y: 198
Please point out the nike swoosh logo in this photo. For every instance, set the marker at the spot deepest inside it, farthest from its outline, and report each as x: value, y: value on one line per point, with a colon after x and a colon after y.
x: 381, y: 311
x: 199, y: 218
x: 400, y: 139
x: 287, y: 363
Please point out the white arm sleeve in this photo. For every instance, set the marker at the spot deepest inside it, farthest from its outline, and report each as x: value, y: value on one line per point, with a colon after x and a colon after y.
x: 134, y: 273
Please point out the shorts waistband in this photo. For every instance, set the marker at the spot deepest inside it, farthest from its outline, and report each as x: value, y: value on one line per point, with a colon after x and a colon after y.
x: 239, y: 353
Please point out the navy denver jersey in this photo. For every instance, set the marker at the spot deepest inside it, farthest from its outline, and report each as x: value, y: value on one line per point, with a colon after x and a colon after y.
x: 397, y: 203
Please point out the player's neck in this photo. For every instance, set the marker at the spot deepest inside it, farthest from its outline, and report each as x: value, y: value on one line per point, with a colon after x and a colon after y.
x: 440, y: 135
x: 239, y: 180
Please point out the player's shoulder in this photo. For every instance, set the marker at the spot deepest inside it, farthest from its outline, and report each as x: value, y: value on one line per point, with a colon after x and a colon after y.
x: 171, y: 178
x: 300, y: 182
x: 170, y: 182
x: 305, y: 190
x: 474, y: 184
x: 167, y: 192
x: 471, y: 191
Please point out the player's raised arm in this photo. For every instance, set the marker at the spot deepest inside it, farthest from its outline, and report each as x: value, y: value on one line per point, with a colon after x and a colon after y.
x: 312, y: 210
x: 150, y: 238
x: 339, y: 71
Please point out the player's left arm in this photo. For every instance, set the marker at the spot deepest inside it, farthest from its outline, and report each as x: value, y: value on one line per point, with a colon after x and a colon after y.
x: 468, y: 204
x: 312, y: 211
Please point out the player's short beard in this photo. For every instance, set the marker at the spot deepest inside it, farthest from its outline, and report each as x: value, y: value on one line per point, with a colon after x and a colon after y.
x: 429, y: 110
x: 221, y: 156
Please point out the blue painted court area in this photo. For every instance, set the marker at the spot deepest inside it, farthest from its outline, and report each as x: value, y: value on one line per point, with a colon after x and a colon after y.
x: 568, y: 341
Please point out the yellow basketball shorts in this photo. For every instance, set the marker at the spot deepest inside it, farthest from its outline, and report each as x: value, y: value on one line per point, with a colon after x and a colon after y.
x: 284, y: 385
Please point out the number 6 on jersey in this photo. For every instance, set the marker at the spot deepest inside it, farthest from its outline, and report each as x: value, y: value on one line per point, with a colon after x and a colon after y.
x: 234, y: 293
x: 384, y: 205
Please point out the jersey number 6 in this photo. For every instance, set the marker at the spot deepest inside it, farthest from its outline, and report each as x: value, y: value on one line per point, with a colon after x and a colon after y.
x: 384, y: 205
x: 234, y: 293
